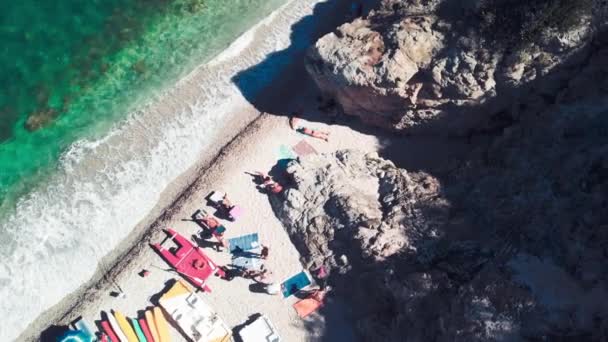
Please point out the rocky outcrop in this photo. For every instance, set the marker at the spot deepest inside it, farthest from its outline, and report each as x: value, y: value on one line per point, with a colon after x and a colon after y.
x: 489, y: 253
x: 509, y: 245
x: 360, y: 204
x: 427, y: 66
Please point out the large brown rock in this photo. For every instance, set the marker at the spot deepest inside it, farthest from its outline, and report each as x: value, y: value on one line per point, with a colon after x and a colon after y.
x: 426, y: 66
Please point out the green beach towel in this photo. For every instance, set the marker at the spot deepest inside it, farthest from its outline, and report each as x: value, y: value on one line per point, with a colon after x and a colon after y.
x: 285, y: 152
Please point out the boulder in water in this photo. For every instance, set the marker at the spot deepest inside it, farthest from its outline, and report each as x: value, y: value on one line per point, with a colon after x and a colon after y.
x: 40, y: 119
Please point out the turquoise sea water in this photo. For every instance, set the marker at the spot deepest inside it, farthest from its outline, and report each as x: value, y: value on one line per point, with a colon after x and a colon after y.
x: 73, y: 68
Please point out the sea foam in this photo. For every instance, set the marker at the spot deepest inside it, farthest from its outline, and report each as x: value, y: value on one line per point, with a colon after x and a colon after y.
x: 56, y: 237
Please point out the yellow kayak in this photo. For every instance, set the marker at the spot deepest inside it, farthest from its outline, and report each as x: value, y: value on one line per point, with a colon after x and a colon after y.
x: 161, y: 325
x: 152, y: 325
x: 125, y: 327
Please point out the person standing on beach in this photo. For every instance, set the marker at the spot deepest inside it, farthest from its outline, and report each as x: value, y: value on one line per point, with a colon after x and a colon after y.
x: 264, y: 253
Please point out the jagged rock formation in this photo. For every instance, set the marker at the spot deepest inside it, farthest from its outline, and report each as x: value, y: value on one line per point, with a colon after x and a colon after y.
x: 509, y: 245
x: 351, y: 197
x: 427, y: 66
x: 493, y: 253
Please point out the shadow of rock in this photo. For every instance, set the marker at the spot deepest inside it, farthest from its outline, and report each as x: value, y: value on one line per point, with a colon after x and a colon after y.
x: 53, y: 333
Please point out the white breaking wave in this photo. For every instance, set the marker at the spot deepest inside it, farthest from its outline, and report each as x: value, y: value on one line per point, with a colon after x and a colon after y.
x: 54, y: 240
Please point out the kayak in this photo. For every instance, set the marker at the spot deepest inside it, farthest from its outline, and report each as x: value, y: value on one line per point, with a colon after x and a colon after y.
x: 125, y: 327
x: 152, y: 325
x: 144, y: 327
x: 108, y: 330
x: 140, y: 333
x: 116, y: 327
x: 161, y: 325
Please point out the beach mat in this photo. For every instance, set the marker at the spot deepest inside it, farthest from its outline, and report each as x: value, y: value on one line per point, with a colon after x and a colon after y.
x: 307, y: 306
x: 295, y: 284
x: 285, y: 152
x: 303, y: 149
x: 285, y: 156
x: 244, y: 243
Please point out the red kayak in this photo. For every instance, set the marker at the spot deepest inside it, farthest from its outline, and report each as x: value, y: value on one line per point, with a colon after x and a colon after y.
x: 189, y: 260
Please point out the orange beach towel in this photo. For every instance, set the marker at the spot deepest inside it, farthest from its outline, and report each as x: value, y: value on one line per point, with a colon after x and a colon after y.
x: 307, y: 306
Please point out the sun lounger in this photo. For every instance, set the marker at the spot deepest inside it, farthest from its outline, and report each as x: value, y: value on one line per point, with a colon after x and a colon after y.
x: 201, y: 214
x: 244, y: 243
x: 295, y: 284
x: 216, y: 197
x: 260, y: 330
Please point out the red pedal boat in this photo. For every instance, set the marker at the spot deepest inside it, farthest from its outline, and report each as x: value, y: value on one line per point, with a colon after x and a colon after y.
x: 189, y: 260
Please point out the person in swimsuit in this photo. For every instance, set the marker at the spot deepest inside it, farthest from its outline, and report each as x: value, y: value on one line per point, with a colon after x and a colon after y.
x: 294, y: 123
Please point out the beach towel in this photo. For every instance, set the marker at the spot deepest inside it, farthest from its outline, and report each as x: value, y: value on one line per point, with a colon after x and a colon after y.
x: 246, y: 260
x: 295, y: 284
x: 307, y: 306
x: 285, y: 152
x: 244, y: 243
x: 303, y: 149
x: 236, y: 212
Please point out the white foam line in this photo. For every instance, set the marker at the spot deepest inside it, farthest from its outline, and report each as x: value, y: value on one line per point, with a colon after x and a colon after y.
x: 58, y: 233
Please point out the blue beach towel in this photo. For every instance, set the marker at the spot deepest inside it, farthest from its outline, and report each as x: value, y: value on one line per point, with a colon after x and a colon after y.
x: 295, y: 284
x: 244, y: 243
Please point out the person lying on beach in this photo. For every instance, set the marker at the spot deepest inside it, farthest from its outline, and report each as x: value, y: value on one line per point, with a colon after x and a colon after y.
x: 262, y: 276
x: 275, y: 188
x: 272, y: 187
x: 226, y: 204
x: 266, y: 183
x: 257, y: 275
x: 294, y: 123
x: 210, y: 221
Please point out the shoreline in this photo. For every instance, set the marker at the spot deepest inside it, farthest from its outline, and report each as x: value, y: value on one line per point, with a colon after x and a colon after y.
x: 244, y: 121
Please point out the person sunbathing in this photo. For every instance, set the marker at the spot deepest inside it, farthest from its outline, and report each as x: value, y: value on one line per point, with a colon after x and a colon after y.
x: 210, y: 221
x: 267, y: 183
x: 273, y: 187
x: 294, y: 123
x: 226, y: 203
